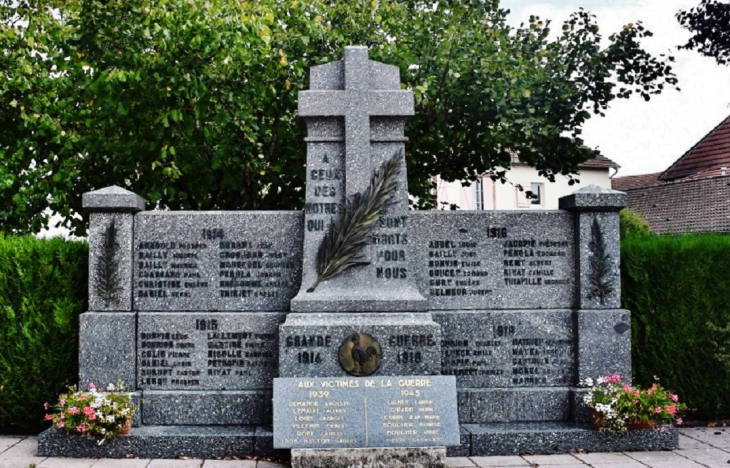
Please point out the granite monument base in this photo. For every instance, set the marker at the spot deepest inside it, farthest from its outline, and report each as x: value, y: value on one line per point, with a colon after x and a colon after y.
x: 161, y: 442
x: 424, y: 457
x: 563, y: 437
x: 493, y: 439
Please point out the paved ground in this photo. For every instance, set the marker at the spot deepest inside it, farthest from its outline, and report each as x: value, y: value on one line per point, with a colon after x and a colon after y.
x: 698, y: 447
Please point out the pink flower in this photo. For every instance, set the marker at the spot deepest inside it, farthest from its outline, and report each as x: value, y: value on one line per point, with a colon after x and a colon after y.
x: 627, y: 388
x: 679, y: 421
x: 48, y: 417
x: 46, y: 405
x: 88, y: 411
x: 60, y: 425
x: 673, y: 397
x: 92, y: 416
x: 92, y: 386
x: 73, y: 410
x: 83, y: 397
x: 637, y: 393
x: 657, y: 410
x: 62, y: 415
x: 615, y: 378
x: 671, y: 409
x: 81, y: 428
x: 61, y: 402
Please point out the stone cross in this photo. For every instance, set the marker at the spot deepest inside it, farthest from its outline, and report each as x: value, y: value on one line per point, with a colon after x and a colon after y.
x: 355, y: 112
x: 357, y: 103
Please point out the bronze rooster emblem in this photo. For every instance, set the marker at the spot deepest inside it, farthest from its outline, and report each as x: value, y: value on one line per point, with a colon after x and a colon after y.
x: 360, y: 355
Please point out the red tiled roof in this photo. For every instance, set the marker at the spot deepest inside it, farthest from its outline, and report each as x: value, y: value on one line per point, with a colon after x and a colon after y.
x: 636, y: 182
x: 696, y: 205
x: 708, y: 155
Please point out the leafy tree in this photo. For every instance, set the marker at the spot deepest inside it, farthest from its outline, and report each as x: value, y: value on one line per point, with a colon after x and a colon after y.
x: 192, y: 103
x: 710, y: 24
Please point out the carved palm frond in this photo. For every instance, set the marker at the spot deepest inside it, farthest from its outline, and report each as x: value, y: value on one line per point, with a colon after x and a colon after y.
x: 343, y: 245
x: 107, y: 267
x: 600, y: 275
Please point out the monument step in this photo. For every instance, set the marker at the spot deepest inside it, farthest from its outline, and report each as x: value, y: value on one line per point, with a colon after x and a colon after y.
x: 563, y: 437
x: 163, y: 442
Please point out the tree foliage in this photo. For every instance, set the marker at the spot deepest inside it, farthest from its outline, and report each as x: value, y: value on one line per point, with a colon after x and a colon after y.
x: 192, y: 103
x: 710, y: 25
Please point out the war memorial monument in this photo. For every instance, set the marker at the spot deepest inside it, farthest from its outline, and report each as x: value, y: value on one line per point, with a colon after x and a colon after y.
x: 355, y: 331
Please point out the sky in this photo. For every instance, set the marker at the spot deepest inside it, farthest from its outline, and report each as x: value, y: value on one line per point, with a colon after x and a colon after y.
x: 645, y: 137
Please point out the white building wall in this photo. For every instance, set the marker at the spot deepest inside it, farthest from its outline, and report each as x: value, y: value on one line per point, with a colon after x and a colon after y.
x: 507, y: 197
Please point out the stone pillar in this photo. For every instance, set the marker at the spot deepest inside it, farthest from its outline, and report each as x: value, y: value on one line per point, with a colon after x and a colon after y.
x: 603, y: 329
x: 107, y: 332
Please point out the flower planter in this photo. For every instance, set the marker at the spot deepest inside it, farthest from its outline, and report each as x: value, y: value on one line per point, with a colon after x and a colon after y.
x: 635, y: 425
x: 126, y: 427
x: 597, y: 422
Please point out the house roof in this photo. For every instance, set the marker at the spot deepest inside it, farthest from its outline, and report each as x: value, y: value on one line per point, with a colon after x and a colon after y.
x: 694, y: 205
x: 599, y: 162
x: 707, y: 156
x: 636, y: 181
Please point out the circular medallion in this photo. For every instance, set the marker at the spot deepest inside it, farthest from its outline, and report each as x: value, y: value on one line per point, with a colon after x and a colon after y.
x: 360, y: 355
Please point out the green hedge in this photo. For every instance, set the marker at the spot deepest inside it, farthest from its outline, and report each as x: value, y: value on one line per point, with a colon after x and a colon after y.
x: 678, y: 290
x: 43, y: 289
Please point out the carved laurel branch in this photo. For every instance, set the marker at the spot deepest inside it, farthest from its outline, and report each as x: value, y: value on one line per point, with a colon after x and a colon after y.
x: 107, y: 267
x: 343, y: 245
x: 600, y: 277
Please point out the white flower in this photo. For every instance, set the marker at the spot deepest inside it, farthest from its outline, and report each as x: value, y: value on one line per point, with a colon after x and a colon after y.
x: 110, y: 387
x: 588, y: 382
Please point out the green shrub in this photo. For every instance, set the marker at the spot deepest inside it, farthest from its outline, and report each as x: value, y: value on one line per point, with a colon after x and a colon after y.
x: 631, y: 224
x: 678, y: 290
x: 43, y: 289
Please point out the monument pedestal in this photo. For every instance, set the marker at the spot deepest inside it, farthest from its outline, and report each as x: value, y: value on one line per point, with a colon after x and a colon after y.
x: 310, y: 343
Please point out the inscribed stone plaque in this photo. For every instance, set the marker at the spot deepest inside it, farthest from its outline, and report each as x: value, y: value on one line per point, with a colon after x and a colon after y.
x: 531, y: 348
x: 191, y: 261
x: 494, y: 260
x: 395, y: 411
x: 212, y: 351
